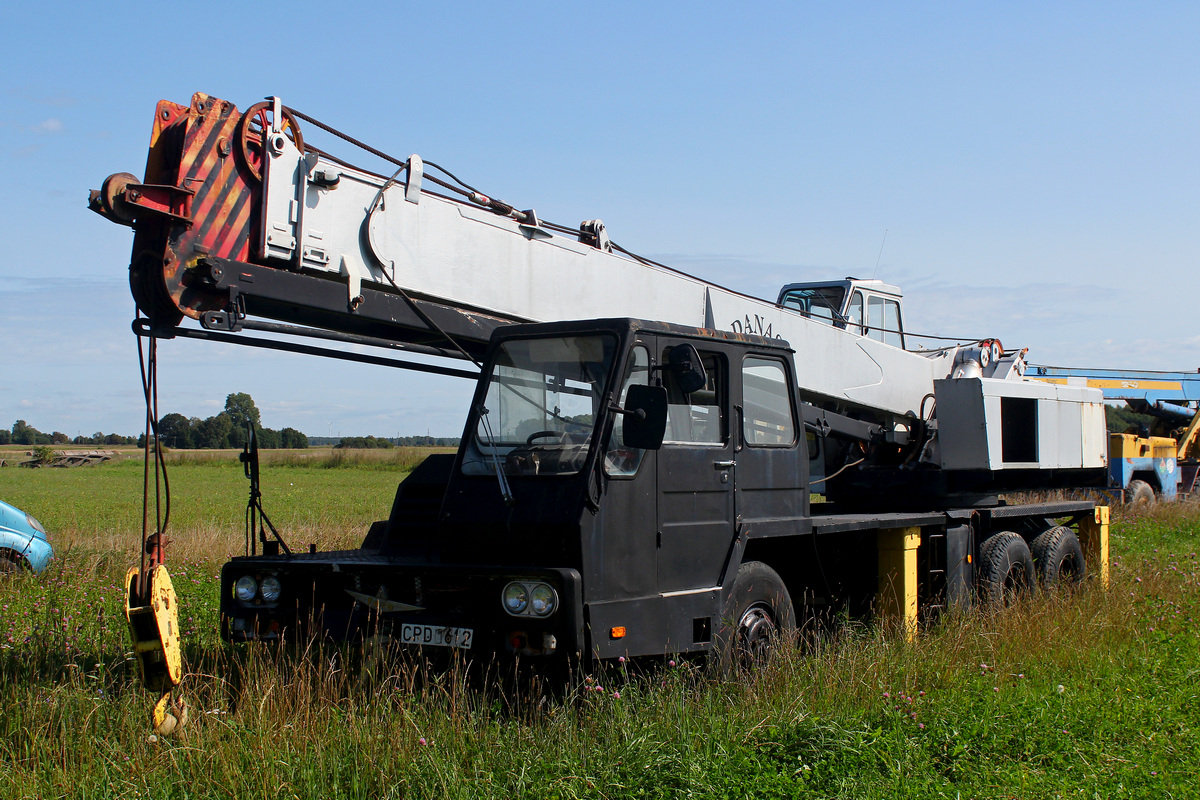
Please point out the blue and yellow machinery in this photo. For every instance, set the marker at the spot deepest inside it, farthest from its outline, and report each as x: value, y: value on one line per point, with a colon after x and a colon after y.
x: 1165, y: 458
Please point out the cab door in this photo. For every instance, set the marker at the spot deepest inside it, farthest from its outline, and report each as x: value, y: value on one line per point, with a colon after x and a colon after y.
x: 696, y: 476
x: 772, y: 456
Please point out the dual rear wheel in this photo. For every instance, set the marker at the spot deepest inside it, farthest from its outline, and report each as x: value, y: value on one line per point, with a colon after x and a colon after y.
x: 1008, y: 565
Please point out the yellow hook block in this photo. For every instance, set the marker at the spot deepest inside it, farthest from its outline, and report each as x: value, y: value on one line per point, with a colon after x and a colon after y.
x: 154, y: 629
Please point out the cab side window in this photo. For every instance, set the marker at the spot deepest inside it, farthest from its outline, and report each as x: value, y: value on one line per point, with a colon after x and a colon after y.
x: 854, y: 313
x: 697, y: 418
x: 768, y: 419
x: 883, y: 319
x: 622, y: 460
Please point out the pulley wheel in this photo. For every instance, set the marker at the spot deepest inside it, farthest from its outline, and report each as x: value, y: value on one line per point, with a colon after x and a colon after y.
x: 253, y: 130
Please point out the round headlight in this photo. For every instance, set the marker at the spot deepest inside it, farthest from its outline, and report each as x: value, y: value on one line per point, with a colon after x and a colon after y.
x: 33, y: 523
x: 270, y: 588
x: 245, y: 588
x: 516, y: 598
x: 543, y: 600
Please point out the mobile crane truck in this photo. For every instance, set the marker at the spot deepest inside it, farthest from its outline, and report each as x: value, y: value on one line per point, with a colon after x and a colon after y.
x: 636, y: 471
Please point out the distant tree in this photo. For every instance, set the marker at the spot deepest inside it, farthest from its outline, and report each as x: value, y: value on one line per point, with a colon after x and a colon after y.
x: 58, y: 437
x: 241, y: 410
x: 23, y: 433
x: 268, y: 439
x: 292, y: 439
x: 5, y: 436
x: 213, y: 432
x: 175, y: 430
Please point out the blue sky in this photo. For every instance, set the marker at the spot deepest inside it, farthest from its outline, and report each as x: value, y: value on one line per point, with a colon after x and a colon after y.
x: 1034, y: 166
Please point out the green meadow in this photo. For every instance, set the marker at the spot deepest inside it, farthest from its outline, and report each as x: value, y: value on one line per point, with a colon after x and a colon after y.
x: 1089, y: 694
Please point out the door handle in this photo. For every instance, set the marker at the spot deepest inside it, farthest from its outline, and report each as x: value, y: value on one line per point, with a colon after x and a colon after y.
x: 724, y: 464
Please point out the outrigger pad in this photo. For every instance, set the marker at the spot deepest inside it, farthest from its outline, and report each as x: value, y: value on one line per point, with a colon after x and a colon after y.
x: 154, y: 629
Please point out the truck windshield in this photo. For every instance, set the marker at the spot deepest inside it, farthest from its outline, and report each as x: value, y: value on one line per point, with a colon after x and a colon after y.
x: 820, y: 302
x: 541, y: 405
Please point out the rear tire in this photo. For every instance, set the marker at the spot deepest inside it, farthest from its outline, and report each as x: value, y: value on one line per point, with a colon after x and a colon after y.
x: 757, y: 618
x: 1005, y: 569
x: 1141, y: 496
x: 1058, y: 557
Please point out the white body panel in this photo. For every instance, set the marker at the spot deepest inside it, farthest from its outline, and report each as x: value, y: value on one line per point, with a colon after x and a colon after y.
x: 473, y: 258
x: 1049, y: 427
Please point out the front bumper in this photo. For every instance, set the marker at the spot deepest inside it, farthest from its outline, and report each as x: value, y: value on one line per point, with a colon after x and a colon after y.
x: 356, y: 597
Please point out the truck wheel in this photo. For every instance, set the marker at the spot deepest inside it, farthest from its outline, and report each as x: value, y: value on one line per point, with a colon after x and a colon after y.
x: 1058, y: 557
x: 1141, y: 495
x: 757, y: 616
x: 1005, y: 568
x: 8, y: 566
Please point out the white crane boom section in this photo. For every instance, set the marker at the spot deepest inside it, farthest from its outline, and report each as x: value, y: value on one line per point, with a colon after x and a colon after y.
x: 346, y: 221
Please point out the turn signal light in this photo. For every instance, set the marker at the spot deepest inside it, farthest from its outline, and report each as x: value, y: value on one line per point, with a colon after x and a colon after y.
x: 617, y: 632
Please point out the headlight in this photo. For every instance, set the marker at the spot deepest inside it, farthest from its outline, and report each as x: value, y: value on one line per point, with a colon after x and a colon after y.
x: 245, y: 588
x: 516, y: 598
x: 270, y: 588
x: 543, y: 600
x: 530, y: 599
x: 33, y: 523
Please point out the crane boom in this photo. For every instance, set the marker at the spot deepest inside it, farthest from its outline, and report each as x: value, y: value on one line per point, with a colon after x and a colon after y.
x: 236, y: 217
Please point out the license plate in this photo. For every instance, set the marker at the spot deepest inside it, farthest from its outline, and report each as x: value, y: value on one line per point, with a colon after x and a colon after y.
x: 436, y: 635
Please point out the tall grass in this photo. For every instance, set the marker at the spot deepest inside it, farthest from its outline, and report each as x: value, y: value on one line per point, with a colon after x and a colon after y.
x: 1086, y: 693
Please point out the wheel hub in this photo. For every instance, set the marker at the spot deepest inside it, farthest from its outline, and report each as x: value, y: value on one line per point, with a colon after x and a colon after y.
x: 756, y: 631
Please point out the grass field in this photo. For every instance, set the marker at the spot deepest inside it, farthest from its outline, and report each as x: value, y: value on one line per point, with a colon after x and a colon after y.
x: 1090, y: 694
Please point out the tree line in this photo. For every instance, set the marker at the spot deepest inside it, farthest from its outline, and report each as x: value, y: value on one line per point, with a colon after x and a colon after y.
x: 226, y: 429
x: 24, y: 433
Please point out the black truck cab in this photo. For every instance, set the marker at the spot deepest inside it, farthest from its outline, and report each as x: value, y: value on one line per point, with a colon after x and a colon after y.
x: 558, y: 526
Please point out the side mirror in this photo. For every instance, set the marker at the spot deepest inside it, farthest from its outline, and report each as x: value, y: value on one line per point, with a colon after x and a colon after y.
x: 645, y: 420
x: 685, y: 364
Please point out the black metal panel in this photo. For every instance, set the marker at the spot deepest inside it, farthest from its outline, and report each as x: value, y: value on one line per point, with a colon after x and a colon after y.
x: 1060, y: 508
x: 320, y: 302
x: 842, y: 523
x: 654, y: 625
x: 960, y: 573
x: 643, y: 619
x: 619, y: 546
x: 419, y: 499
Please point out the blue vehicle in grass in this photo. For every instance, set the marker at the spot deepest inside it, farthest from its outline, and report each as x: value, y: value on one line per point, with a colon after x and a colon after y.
x: 23, y: 541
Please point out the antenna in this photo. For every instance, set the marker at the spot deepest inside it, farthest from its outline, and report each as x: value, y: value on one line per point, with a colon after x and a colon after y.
x: 881, y: 244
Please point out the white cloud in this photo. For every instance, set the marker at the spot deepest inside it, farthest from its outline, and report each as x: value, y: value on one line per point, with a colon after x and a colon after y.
x: 51, y: 125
